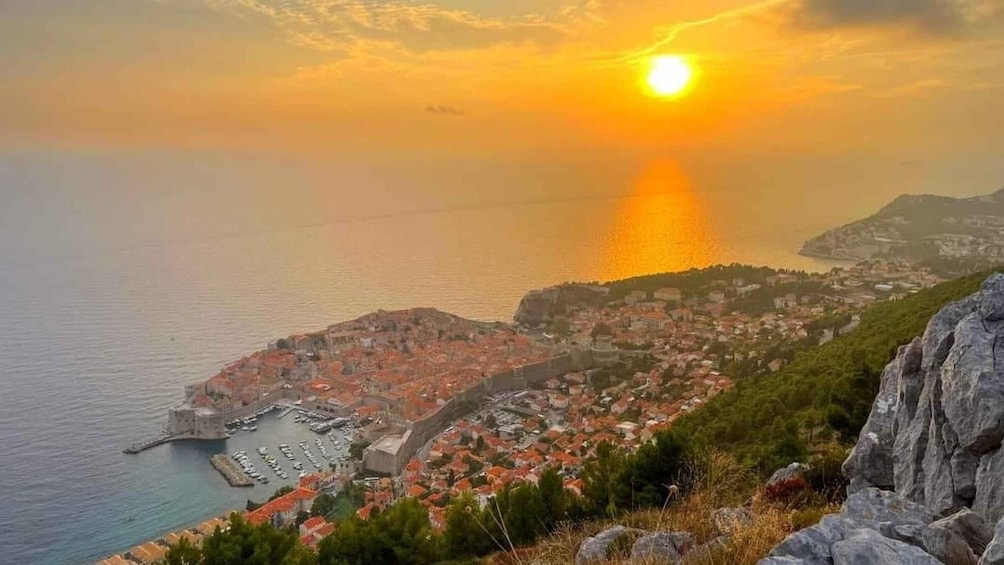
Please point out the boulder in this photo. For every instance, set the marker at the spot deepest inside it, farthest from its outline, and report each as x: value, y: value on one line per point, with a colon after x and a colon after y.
x: 703, y: 551
x: 894, y: 516
x: 970, y: 526
x: 947, y: 546
x: 785, y: 474
x: 872, y: 507
x: 728, y: 520
x: 868, y: 547
x: 812, y: 545
x: 994, y: 553
x: 661, y: 547
x: 594, y: 549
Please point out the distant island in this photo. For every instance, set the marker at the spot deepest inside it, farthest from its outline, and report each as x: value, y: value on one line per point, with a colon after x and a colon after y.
x: 951, y: 235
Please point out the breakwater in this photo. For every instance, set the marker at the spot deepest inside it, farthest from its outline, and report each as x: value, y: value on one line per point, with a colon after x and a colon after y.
x: 147, y: 444
x: 230, y: 472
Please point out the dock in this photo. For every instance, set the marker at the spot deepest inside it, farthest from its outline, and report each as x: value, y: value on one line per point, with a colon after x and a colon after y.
x: 230, y: 472
x: 144, y: 445
x: 285, y: 412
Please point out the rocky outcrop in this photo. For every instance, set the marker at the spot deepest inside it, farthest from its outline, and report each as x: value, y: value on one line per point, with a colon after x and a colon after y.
x: 935, y: 430
x: 595, y: 549
x: 784, y: 474
x: 927, y: 474
x: 538, y: 307
x: 647, y: 547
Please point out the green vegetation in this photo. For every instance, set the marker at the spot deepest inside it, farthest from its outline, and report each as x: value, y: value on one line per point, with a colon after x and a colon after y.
x: 356, y: 449
x: 243, y: 544
x: 695, y: 281
x: 824, y: 395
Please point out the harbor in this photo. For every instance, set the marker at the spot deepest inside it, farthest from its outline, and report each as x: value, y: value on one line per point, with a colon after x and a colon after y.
x: 285, y: 449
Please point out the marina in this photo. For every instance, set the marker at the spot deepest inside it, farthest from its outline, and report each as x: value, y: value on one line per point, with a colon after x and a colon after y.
x: 260, y: 459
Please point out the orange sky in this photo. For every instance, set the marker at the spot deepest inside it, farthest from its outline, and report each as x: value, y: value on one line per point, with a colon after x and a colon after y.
x: 313, y: 76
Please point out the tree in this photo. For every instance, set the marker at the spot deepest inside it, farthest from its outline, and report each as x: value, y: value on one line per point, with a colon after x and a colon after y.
x: 401, y: 534
x: 323, y: 505
x: 465, y: 535
x: 301, y: 517
x: 281, y: 491
x: 357, y: 448
x: 246, y: 544
x: 554, y: 497
x: 284, y: 344
x: 183, y: 553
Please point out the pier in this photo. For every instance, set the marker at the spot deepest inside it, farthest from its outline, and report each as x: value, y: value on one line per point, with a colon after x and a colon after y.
x: 144, y: 445
x: 285, y: 412
x: 230, y: 472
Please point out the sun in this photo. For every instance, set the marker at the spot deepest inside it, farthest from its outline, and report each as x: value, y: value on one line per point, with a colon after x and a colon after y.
x: 670, y: 75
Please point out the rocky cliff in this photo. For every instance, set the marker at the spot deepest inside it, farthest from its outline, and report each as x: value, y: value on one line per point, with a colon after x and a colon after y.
x: 927, y: 474
x: 538, y: 307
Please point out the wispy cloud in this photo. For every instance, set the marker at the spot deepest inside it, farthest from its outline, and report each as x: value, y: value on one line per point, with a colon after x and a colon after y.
x: 418, y: 27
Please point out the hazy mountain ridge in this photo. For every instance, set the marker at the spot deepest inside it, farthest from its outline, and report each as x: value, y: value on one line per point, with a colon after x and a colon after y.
x: 919, y: 228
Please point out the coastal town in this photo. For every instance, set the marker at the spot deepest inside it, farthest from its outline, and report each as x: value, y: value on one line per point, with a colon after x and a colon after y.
x: 439, y: 405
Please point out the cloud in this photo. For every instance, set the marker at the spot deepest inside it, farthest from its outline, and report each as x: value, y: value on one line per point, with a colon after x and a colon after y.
x: 418, y: 27
x: 442, y: 110
x: 929, y: 16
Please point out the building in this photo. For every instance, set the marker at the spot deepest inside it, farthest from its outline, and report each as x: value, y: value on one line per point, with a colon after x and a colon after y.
x: 283, y: 510
x: 387, y: 454
x: 716, y: 296
x: 197, y: 422
x: 636, y: 296
x: 668, y: 294
x: 604, y: 352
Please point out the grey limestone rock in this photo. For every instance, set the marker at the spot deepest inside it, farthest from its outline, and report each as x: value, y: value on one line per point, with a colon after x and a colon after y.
x: 728, y: 520
x: 594, y: 549
x: 792, y: 471
x: 702, y: 551
x: 948, y: 546
x: 872, y: 507
x: 935, y: 430
x: 927, y: 473
x: 994, y: 553
x: 662, y: 547
x: 970, y: 526
x: 812, y: 545
x: 868, y: 547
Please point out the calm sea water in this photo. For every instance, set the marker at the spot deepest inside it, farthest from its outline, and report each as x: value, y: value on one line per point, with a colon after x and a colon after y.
x: 120, y: 283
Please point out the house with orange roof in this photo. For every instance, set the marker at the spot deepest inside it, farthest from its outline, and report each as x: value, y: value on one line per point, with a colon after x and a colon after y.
x: 283, y: 510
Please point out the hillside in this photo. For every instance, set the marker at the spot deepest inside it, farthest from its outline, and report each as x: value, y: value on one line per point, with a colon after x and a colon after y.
x: 948, y: 232
x: 824, y: 395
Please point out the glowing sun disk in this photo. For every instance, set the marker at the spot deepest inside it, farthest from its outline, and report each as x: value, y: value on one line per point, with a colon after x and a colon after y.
x: 669, y: 76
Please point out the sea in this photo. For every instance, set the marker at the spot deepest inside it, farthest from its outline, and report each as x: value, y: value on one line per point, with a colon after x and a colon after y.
x: 126, y: 275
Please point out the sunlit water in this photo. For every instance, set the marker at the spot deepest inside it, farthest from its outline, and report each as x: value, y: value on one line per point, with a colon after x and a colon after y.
x: 97, y: 341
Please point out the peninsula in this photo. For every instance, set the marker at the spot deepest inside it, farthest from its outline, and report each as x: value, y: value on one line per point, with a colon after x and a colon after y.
x: 959, y: 234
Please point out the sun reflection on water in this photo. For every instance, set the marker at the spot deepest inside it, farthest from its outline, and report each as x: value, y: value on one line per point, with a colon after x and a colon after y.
x: 662, y: 226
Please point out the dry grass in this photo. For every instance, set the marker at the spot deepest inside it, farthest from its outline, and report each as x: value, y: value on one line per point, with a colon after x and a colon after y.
x: 719, y: 482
